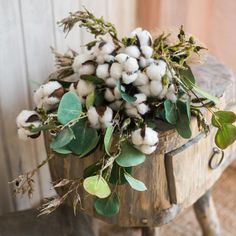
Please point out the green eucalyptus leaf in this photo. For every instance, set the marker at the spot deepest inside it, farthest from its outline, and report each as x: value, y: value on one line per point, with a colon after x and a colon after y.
x: 69, y: 108
x: 223, y: 117
x: 183, y: 121
x: 92, y: 78
x: 117, y: 174
x: 86, y: 139
x: 124, y: 95
x: 134, y: 183
x: 187, y: 75
x: 129, y: 156
x: 108, y: 138
x: 90, y: 100
x: 62, y: 139
x: 107, y: 206
x: 97, y: 186
x: 170, y: 111
x: 225, y: 136
x: 63, y: 150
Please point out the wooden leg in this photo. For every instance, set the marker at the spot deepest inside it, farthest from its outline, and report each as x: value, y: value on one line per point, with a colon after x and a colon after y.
x: 206, y: 215
x: 149, y: 231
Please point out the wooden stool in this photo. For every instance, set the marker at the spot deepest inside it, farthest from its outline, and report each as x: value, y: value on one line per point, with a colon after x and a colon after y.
x: 179, y: 174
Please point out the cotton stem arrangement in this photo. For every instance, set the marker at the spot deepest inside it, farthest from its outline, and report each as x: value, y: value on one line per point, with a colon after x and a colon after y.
x: 110, y: 97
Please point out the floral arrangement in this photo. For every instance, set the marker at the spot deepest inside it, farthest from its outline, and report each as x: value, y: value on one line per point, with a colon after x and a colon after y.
x: 110, y: 97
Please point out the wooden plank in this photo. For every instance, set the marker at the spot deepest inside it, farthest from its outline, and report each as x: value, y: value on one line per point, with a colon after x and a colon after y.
x: 38, y: 30
x: 123, y: 15
x: 13, y: 93
x: 61, y: 9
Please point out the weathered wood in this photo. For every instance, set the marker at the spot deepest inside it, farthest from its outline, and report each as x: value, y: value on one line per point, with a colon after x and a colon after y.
x: 206, y: 215
x: 189, y: 171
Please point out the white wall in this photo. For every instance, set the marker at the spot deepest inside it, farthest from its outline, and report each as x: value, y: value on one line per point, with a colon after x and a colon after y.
x: 27, y: 29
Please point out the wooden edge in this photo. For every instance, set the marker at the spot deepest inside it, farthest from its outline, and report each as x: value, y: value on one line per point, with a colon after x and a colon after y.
x: 169, y: 166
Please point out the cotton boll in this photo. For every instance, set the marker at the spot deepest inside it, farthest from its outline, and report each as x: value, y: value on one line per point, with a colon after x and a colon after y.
x: 106, y: 118
x: 133, y: 112
x: 136, y: 137
x: 142, y: 79
x: 109, y: 95
x: 27, y: 118
x: 144, y: 62
x: 116, y: 105
x: 151, y: 137
x: 87, y: 69
x: 102, y: 71
x: 135, y: 32
x: 140, y: 97
x: 146, y: 51
x: 93, y: 117
x: 154, y: 72
x: 121, y: 58
x: 146, y: 149
x: 100, y: 59
x: 111, y: 82
x: 83, y: 89
x: 109, y: 58
x: 48, y: 95
x: 80, y: 60
x: 142, y: 108
x: 131, y: 65
x: 156, y: 87
x: 143, y: 36
x: 106, y: 47
x: 145, y: 89
x: 116, y: 70
x: 132, y: 51
x: 129, y: 78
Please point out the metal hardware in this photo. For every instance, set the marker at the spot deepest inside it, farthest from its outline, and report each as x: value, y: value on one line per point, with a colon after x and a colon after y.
x: 214, y: 161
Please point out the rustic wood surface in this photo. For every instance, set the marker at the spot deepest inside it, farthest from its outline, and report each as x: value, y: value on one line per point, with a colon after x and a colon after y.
x: 154, y: 207
x: 27, y: 29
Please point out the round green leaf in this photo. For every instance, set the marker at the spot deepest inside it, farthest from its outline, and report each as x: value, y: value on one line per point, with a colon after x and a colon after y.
x: 183, y: 121
x: 97, y: 185
x: 223, y: 117
x: 225, y: 136
x: 69, y: 108
x: 108, y: 206
x: 108, y: 138
x: 62, y: 139
x: 63, y: 150
x: 129, y: 156
x: 117, y: 174
x: 134, y: 183
x: 86, y: 139
x: 170, y: 112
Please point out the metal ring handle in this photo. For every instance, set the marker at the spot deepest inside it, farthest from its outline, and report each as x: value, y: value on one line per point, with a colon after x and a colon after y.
x: 216, y: 151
